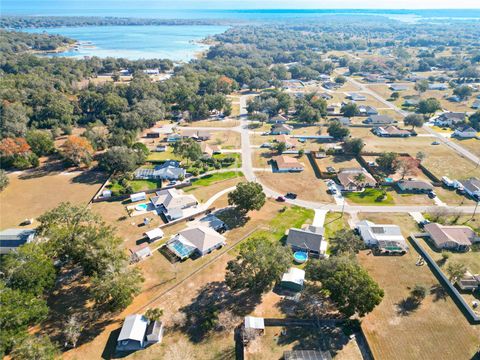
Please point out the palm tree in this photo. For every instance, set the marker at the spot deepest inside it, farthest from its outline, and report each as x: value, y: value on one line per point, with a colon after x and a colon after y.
x: 360, y: 179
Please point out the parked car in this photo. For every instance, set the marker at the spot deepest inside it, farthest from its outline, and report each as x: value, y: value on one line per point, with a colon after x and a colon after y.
x: 280, y: 199
x: 435, y: 143
x: 265, y: 146
x: 291, y: 195
x: 432, y: 195
x: 332, y: 190
x: 171, y: 183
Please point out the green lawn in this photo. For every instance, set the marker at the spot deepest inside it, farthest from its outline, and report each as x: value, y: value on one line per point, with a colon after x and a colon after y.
x: 334, y: 221
x: 369, y: 196
x: 294, y: 216
x: 141, y: 185
x: 237, y: 156
x: 213, y: 178
x: 162, y: 156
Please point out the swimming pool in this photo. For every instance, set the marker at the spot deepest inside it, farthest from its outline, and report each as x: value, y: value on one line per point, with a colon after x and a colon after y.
x: 388, y: 180
x: 141, y: 207
x: 300, y: 257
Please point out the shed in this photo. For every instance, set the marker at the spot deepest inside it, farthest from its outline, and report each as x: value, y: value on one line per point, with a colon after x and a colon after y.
x: 154, y: 234
x: 154, y: 333
x: 138, y: 197
x: 106, y: 193
x: 132, y: 335
x: 293, y: 279
x: 256, y: 323
x: 140, y: 252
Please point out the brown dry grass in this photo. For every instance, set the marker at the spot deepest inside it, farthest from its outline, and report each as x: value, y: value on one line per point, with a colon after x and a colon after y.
x: 31, y: 193
x: 226, y: 139
x: 213, y: 123
x: 437, y: 329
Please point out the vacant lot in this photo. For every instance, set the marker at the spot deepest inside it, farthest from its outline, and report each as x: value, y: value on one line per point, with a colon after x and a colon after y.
x: 207, y: 186
x: 227, y: 123
x: 226, y: 139
x: 337, y: 162
x: 436, y: 329
x: 304, y: 184
x: 31, y: 193
x: 472, y: 145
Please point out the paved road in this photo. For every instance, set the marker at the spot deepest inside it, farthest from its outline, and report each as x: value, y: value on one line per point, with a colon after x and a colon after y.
x: 453, y: 145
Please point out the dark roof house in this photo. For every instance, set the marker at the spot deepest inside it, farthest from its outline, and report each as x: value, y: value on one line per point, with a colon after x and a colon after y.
x: 10, y: 239
x: 311, y: 240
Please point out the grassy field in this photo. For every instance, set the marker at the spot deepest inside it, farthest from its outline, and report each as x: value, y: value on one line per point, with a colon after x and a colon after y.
x: 226, y: 139
x: 435, y: 330
x: 162, y: 156
x: 213, y: 123
x: 472, y: 145
x: 31, y: 193
x: 304, y: 184
x: 334, y: 221
x: 370, y: 197
x: 213, y: 178
x: 236, y: 156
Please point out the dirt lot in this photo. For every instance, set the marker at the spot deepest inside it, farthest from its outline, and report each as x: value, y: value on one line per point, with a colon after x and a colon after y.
x: 337, y: 162
x: 304, y: 184
x: 472, y: 145
x: 436, y: 329
x: 213, y: 123
x: 226, y: 139
x: 31, y: 193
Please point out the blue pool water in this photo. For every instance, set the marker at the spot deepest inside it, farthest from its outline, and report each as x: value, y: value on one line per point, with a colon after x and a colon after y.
x: 388, y: 179
x: 141, y: 207
x: 300, y: 256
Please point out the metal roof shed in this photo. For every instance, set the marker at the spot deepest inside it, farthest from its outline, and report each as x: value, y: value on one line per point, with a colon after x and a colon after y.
x: 138, y: 197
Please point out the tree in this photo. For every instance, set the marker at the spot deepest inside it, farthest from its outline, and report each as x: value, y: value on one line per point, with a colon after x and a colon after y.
x: 394, y: 95
x: 337, y: 131
x: 247, y: 196
x: 349, y: 285
x: 463, y: 92
x: 415, y: 120
x: 407, y: 167
x: 72, y: 331
x: 353, y: 146
x: 455, y: 271
x: 41, y: 142
x: 35, y: 348
x: 421, y: 86
x: 14, y: 119
x: 340, y: 80
x: 345, y: 241
x: 387, y: 161
x: 154, y: 314
x: 98, y: 137
x: 428, y: 106
x: 29, y: 269
x: 418, y: 292
x: 420, y: 156
x: 4, y: 181
x: 349, y: 110
x: 280, y: 147
x: 121, y: 159
x: 16, y: 152
x: 19, y: 311
x: 77, y: 150
x: 360, y: 178
x: 188, y: 149
x: 258, y: 265
x: 116, y: 288
x: 474, y: 120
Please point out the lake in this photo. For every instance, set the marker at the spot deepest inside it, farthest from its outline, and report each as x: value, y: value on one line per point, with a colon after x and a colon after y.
x: 178, y: 43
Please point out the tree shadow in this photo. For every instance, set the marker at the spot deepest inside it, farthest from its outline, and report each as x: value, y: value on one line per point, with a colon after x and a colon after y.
x: 90, y: 177
x: 407, y: 306
x: 232, y: 217
x: 438, y: 292
x: 214, y: 298
x: 52, y: 166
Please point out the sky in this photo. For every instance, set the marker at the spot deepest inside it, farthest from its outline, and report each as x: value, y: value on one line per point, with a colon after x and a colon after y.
x: 249, y: 4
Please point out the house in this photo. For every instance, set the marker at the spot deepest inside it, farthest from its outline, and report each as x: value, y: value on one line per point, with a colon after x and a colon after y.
x: 476, y: 105
x: 285, y: 163
x: 325, y: 96
x: 200, y: 240
x: 307, y: 354
x: 465, y: 132
x: 367, y: 110
x: 349, y: 179
x: 281, y: 129
x: 293, y: 279
x: 356, y: 97
x: 161, y: 148
x: 385, y: 237
x: 391, y: 131
x: 173, y: 138
x: 374, y: 78
x: 450, y: 118
x: 345, y: 121
x: 472, y: 187
x: 333, y: 109
x: 469, y: 282
x: 172, y: 203
x: 454, y: 98
x: 169, y: 170
x: 154, y: 234
x: 451, y: 237
x: 199, y: 135
x: 411, y: 102
x: 140, y: 252
x: 214, y: 222
x: 289, y: 142
x: 10, y: 239
x: 414, y: 186
x: 437, y: 86
x: 330, y: 85
x: 379, y: 120
x: 138, y: 332
x: 310, y: 239
x: 278, y: 119
x: 209, y: 150
x: 138, y: 197
x: 398, y: 87
x: 153, y: 134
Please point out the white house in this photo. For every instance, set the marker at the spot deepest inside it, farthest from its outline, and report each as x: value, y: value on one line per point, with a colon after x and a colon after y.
x: 450, y: 118
x: 472, y: 187
x: 287, y: 164
x: 10, y: 239
x: 465, y: 132
x: 387, y: 238
x: 138, y: 332
x: 201, y: 239
x: 173, y: 202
